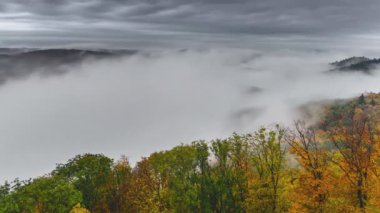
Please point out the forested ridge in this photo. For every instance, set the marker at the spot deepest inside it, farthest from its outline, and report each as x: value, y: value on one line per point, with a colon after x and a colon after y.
x: 331, y: 165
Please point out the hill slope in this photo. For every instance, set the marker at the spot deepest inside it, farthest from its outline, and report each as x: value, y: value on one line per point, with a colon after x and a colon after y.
x: 355, y: 64
x: 20, y: 63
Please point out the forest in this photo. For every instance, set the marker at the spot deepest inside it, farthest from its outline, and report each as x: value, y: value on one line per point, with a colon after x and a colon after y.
x: 328, y: 165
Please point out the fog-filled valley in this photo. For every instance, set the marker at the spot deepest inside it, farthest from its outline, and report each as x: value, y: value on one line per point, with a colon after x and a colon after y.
x: 146, y: 101
x: 115, y: 106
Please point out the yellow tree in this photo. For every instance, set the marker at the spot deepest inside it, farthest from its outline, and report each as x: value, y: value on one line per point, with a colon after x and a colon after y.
x: 78, y: 209
x: 356, y: 139
x: 117, y: 194
x: 143, y: 189
x: 314, y: 179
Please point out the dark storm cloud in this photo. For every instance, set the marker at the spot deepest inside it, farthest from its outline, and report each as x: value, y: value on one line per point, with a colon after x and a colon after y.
x: 143, y: 20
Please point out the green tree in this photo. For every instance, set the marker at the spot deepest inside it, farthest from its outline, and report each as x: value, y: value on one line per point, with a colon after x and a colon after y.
x: 203, y: 178
x: 171, y: 174
x: 361, y: 100
x: 240, y: 160
x: 222, y: 176
x: 373, y: 102
x: 182, y: 193
x: 268, y: 161
x: 44, y: 194
x: 89, y: 173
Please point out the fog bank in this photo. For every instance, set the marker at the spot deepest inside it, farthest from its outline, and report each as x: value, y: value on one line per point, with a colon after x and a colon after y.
x: 150, y: 102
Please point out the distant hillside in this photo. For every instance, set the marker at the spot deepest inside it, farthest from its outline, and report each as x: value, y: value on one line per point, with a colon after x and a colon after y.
x: 12, y: 51
x: 329, y: 113
x: 19, y: 63
x: 336, y: 113
x: 354, y: 64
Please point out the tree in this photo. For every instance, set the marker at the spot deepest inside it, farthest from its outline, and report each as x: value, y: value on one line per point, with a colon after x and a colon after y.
x: 203, y: 178
x: 357, y: 143
x: 361, y: 100
x: 182, y: 193
x: 117, y: 194
x: 78, y: 209
x: 314, y: 177
x: 223, y: 176
x: 373, y: 102
x: 172, y: 172
x: 44, y: 194
x: 143, y: 188
x: 89, y: 173
x: 240, y: 159
x: 268, y: 161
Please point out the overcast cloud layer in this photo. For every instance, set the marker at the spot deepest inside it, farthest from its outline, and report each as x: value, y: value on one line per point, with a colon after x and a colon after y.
x: 183, y: 23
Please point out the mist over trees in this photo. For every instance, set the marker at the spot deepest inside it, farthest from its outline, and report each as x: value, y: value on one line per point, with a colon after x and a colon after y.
x: 330, y: 166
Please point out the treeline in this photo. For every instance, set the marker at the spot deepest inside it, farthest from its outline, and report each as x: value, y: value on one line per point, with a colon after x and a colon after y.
x: 331, y: 166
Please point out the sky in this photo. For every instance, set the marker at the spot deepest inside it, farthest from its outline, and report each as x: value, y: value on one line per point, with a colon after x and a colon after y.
x: 185, y: 24
x: 205, y: 69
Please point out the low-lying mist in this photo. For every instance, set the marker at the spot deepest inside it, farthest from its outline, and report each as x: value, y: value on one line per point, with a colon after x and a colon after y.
x: 150, y: 102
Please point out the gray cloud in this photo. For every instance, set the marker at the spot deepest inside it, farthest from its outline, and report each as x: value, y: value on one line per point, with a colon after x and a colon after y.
x: 139, y: 21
